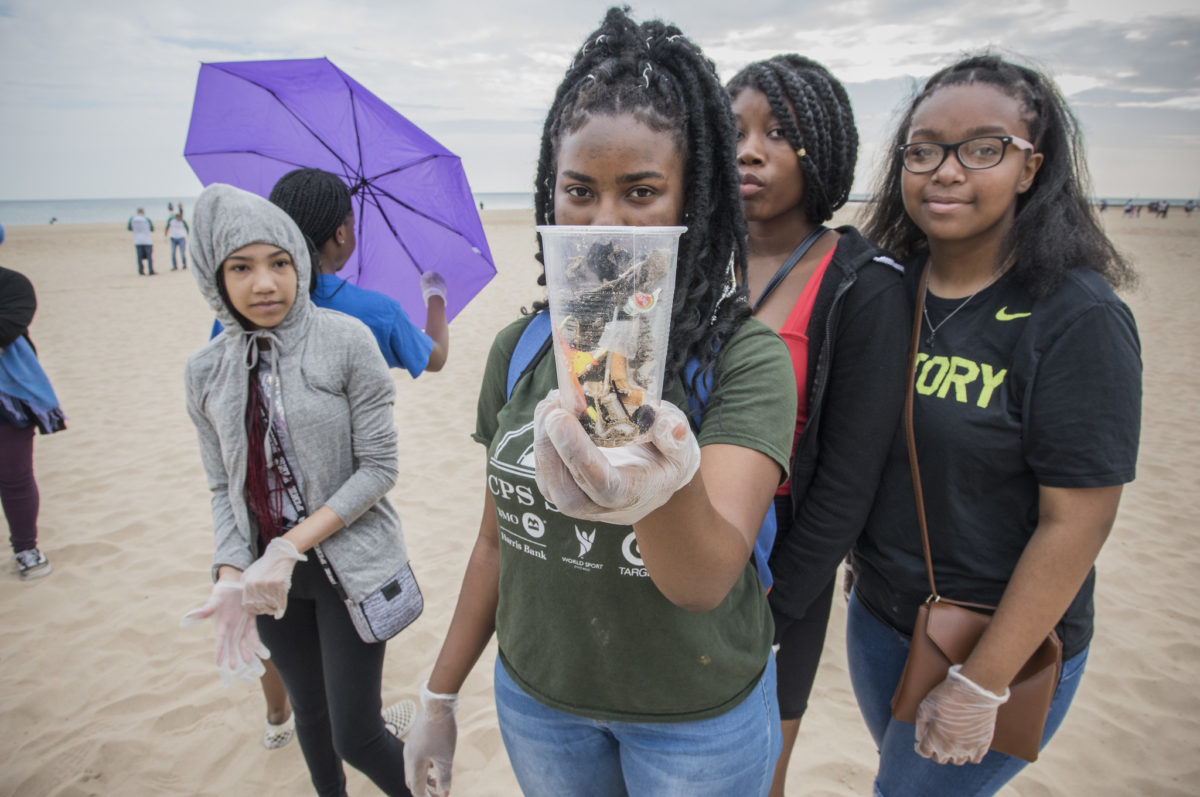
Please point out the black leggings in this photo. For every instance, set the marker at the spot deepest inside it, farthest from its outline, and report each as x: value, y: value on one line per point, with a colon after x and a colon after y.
x: 333, y: 681
x: 800, y: 639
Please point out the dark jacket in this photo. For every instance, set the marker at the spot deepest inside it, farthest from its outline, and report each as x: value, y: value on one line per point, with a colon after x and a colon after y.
x: 858, y: 343
x: 17, y: 306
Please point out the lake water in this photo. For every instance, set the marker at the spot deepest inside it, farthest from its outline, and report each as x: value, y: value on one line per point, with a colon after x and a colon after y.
x: 93, y: 211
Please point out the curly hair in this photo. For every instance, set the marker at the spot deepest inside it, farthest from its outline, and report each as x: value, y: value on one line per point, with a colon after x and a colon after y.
x: 1055, y: 228
x: 814, y: 111
x: 651, y: 71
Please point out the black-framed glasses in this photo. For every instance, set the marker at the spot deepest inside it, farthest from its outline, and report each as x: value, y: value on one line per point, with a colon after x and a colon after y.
x: 977, y: 152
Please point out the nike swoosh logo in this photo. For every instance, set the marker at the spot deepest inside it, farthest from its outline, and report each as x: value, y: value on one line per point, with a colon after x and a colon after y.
x: 1003, y: 315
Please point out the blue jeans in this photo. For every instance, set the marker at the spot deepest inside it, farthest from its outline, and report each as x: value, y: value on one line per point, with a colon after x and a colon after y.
x: 181, y: 245
x: 145, y: 252
x: 554, y: 753
x: 877, y: 653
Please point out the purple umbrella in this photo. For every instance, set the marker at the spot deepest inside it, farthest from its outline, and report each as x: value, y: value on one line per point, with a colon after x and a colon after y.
x: 254, y: 121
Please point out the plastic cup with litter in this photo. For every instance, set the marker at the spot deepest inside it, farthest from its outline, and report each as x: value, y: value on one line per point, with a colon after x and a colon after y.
x: 611, y: 291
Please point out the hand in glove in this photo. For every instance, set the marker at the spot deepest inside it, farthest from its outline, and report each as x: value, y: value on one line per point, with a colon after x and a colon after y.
x: 956, y: 720
x: 268, y: 580
x: 613, y: 485
x: 239, y: 651
x: 432, y: 284
x: 429, y: 748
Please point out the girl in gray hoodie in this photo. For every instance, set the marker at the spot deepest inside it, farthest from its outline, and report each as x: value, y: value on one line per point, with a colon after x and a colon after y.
x: 293, y: 408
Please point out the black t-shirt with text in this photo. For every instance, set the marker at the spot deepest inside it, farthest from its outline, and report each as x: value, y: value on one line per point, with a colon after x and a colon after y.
x: 1013, y: 393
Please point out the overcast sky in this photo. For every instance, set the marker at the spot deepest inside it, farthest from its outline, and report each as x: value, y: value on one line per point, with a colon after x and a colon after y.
x: 95, y: 97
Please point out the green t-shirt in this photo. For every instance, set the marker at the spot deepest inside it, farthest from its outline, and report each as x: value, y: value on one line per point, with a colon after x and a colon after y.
x: 580, y: 625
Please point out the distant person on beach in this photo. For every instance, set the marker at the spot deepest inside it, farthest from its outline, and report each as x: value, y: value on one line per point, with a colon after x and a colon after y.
x: 634, y: 634
x: 1129, y: 207
x: 1103, y: 205
x: 143, y: 241
x: 309, y: 553
x: 177, y: 231
x: 1027, y: 415
x: 1189, y: 206
x: 53, y: 219
x: 27, y: 403
x: 836, y: 299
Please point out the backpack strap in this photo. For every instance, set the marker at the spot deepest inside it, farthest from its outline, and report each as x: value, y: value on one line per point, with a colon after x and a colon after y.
x: 531, y: 347
x: 764, y: 541
x: 697, y: 400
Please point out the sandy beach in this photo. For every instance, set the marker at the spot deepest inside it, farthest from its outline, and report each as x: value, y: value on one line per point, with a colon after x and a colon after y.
x: 101, y: 692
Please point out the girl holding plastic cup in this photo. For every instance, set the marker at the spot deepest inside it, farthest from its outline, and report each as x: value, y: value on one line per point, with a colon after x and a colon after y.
x: 633, y: 631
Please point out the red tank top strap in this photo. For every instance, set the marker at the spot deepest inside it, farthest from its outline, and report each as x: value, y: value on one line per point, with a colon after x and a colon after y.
x: 795, y: 334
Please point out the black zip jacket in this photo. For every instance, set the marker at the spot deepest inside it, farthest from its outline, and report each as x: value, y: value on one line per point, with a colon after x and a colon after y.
x: 857, y: 349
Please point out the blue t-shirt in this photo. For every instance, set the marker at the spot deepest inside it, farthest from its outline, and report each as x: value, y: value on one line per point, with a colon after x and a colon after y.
x: 403, y: 343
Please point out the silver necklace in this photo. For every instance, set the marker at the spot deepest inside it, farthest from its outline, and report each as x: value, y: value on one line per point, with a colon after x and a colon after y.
x: 924, y: 309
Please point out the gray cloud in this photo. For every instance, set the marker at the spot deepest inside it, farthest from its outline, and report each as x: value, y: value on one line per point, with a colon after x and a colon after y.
x: 80, y: 79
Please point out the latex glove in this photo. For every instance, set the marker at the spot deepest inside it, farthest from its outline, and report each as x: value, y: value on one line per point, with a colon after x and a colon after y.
x: 613, y: 485
x: 432, y: 284
x: 956, y: 720
x: 268, y: 580
x: 429, y: 748
x: 239, y: 652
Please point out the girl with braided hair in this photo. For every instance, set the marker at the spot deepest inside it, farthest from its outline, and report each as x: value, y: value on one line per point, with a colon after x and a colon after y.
x: 1027, y: 402
x: 634, y: 635
x: 839, y: 304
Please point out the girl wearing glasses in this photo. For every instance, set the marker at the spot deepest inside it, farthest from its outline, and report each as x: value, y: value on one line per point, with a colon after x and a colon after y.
x: 1027, y: 411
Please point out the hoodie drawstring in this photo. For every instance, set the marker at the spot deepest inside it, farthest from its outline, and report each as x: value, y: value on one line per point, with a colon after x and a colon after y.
x: 250, y: 342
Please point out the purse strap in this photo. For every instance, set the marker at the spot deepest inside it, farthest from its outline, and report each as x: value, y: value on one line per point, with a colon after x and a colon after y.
x: 910, y: 439
x: 785, y: 269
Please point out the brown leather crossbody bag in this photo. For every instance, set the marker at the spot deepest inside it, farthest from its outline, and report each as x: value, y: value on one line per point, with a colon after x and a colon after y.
x: 946, y: 631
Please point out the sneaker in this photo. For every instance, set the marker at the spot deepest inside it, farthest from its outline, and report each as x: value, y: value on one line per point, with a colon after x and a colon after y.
x: 398, y: 718
x: 276, y: 736
x: 32, y: 564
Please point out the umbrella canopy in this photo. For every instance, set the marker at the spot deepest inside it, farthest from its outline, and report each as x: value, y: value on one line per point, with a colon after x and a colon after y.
x: 254, y: 121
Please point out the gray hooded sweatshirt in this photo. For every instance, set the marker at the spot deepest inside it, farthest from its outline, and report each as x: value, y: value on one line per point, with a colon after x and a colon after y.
x: 336, y: 392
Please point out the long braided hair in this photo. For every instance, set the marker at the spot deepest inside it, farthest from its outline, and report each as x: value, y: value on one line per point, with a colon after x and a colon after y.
x: 821, y: 125
x: 1055, y: 228
x: 650, y: 70
x: 319, y: 203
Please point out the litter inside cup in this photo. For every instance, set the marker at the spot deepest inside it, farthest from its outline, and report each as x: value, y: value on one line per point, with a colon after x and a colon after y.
x: 611, y: 290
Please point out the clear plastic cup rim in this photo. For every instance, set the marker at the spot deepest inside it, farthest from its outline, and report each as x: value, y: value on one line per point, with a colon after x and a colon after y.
x: 569, y: 229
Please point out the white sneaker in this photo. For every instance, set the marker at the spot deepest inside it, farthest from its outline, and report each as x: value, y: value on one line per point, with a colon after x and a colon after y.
x: 276, y: 736
x: 398, y: 718
x: 32, y: 564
